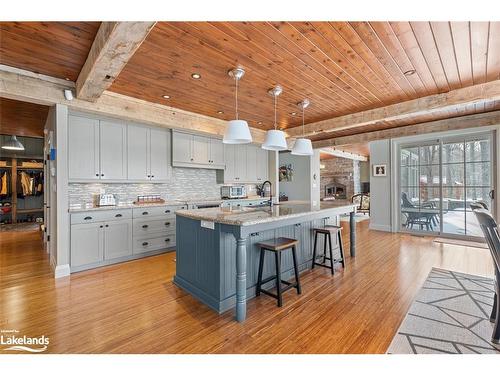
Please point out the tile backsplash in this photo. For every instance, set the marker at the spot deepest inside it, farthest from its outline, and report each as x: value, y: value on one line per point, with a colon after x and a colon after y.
x: 186, y: 183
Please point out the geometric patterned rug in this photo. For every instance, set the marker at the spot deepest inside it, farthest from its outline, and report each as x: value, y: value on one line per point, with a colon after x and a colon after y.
x: 450, y: 315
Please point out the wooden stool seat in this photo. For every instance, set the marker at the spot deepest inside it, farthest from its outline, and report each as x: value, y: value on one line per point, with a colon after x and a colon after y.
x: 277, y: 246
x: 327, y: 231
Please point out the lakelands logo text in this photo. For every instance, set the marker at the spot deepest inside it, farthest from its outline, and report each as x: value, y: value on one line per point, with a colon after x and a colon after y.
x: 16, y: 342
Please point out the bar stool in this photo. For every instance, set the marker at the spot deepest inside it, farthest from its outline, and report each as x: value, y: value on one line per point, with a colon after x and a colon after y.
x: 277, y: 246
x: 327, y: 232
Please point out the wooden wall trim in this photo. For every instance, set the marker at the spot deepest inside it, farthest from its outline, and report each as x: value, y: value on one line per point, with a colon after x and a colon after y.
x: 455, y: 123
x: 407, y: 111
x: 38, y: 90
x: 113, y: 46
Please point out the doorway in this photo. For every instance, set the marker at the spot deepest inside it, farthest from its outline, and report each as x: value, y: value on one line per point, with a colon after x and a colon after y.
x: 439, y: 179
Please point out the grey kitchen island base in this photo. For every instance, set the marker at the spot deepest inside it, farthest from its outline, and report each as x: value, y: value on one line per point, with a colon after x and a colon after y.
x: 207, y: 262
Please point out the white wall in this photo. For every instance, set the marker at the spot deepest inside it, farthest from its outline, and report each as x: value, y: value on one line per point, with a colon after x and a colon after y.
x: 306, y: 177
x: 380, y: 187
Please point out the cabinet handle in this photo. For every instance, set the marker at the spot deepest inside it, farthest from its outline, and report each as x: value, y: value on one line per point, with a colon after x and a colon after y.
x: 152, y: 176
x: 97, y: 174
x: 102, y: 174
x: 145, y: 213
x: 192, y: 159
x: 87, y: 218
x: 145, y: 243
x: 145, y: 226
x: 168, y: 211
x: 149, y: 176
x: 167, y: 239
x: 118, y: 215
x: 100, y: 226
x: 106, y: 225
x: 167, y: 223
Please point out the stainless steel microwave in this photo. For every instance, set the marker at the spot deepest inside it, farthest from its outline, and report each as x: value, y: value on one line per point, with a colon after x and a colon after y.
x: 233, y: 191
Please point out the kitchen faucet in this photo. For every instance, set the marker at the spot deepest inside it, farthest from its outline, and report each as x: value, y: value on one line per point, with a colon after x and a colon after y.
x: 263, y: 192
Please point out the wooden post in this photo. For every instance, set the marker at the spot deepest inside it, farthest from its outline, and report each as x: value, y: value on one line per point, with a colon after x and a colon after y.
x: 241, y: 279
x: 13, y: 181
x: 352, y: 232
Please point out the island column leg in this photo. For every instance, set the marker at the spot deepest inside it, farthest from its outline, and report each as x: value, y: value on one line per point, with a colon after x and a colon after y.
x: 352, y: 232
x: 241, y: 279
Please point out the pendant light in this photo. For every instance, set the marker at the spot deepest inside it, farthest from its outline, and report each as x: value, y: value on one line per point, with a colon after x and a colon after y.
x: 303, y: 146
x: 13, y: 144
x: 275, y: 139
x: 237, y: 131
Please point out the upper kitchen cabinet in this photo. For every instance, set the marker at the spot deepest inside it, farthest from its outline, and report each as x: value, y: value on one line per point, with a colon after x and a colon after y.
x: 97, y: 149
x: 245, y: 163
x: 196, y: 151
x: 113, y: 150
x: 83, y: 146
x: 148, y: 151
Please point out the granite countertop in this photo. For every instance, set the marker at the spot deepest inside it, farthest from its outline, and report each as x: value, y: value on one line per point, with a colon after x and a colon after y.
x: 243, y: 216
x: 92, y: 207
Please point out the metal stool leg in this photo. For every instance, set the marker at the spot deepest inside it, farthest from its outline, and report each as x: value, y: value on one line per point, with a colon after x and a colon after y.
x: 493, y: 316
x: 296, y: 270
x: 278, y: 278
x: 314, y: 248
x: 324, y: 248
x: 261, y: 267
x: 331, y: 252
x: 341, y: 248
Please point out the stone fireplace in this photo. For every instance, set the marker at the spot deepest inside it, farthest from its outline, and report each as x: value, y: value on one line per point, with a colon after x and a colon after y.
x: 339, y: 178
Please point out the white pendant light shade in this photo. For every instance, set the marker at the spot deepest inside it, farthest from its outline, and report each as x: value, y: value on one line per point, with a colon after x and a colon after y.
x: 237, y: 132
x: 275, y: 141
x: 303, y: 147
x: 13, y: 144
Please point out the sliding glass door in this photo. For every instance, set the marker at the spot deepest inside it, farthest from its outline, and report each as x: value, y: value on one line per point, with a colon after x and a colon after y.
x: 437, y: 182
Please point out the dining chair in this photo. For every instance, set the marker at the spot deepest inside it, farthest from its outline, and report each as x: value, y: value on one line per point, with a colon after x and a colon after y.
x: 490, y: 230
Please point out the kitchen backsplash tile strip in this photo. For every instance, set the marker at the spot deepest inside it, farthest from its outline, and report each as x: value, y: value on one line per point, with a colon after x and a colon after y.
x: 186, y: 183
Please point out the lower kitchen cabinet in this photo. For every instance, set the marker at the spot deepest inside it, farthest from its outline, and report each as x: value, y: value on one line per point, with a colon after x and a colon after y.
x: 117, y: 239
x: 110, y: 236
x: 86, y: 244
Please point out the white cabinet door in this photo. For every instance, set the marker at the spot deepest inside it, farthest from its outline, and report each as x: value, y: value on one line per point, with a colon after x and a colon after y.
x: 251, y: 175
x: 159, y: 154
x: 216, y: 152
x: 137, y: 153
x: 83, y: 148
x: 113, y: 150
x: 181, y: 147
x: 229, y: 171
x: 117, y: 239
x: 240, y: 164
x: 201, y: 150
x: 262, y: 165
x: 86, y: 244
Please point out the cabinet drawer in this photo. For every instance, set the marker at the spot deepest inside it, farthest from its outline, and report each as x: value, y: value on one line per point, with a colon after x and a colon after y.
x: 167, y: 211
x: 144, y: 227
x: 150, y: 244
x: 98, y: 216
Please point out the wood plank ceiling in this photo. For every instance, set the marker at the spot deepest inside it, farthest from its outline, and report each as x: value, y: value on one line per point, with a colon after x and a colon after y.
x: 57, y: 49
x: 342, y: 67
x: 21, y: 118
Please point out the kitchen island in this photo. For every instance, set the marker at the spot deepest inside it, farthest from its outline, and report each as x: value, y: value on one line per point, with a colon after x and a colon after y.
x: 216, y: 253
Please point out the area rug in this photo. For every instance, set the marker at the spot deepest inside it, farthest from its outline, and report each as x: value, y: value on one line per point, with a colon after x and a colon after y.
x: 450, y: 315
x: 451, y: 241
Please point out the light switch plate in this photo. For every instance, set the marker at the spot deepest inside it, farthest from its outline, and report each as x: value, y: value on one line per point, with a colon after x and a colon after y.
x: 207, y: 224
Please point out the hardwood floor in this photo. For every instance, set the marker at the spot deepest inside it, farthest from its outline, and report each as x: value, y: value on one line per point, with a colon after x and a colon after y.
x: 134, y: 307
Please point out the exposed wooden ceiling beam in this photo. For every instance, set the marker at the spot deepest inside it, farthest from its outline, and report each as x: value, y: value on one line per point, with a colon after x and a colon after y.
x: 406, y: 111
x: 114, y: 45
x: 37, y: 89
x: 455, y: 123
x: 342, y: 154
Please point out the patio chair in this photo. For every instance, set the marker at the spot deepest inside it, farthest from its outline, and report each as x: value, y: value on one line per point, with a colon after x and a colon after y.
x: 490, y: 230
x: 416, y: 218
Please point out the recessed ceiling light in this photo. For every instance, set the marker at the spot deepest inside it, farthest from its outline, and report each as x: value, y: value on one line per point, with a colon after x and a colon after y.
x: 220, y: 112
x: 166, y: 96
x: 260, y: 123
x: 410, y: 72
x: 293, y: 113
x: 196, y: 75
x: 67, y: 79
